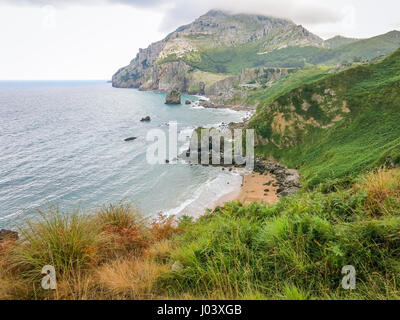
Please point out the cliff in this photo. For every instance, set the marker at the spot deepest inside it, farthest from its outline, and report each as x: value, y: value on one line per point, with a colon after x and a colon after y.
x: 171, y: 63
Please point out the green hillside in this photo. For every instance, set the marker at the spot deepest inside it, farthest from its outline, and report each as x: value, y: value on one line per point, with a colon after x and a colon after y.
x: 338, y: 41
x: 232, y: 60
x: 361, y: 50
x: 291, y: 81
x: 336, y: 127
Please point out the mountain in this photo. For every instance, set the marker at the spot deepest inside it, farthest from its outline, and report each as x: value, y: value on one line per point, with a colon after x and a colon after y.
x: 210, y: 54
x: 169, y: 63
x: 347, y: 50
x: 232, y: 60
x: 338, y: 41
x: 337, y: 126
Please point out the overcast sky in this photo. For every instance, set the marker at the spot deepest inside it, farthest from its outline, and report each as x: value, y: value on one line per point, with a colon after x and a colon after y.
x: 91, y: 39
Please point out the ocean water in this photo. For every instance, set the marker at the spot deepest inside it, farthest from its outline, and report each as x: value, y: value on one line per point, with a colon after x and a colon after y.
x: 62, y: 144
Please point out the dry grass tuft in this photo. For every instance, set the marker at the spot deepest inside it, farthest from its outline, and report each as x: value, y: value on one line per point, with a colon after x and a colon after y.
x: 78, y: 286
x: 130, y: 279
x: 114, y: 253
x: 383, y: 190
x: 163, y: 227
x: 160, y: 251
x: 69, y: 242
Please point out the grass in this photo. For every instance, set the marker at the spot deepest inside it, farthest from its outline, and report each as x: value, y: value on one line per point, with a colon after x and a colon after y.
x: 263, y: 96
x: 295, y: 249
x: 231, y: 60
x: 130, y: 279
x: 366, y: 136
x: 67, y: 241
x: 292, y: 250
x: 105, y: 255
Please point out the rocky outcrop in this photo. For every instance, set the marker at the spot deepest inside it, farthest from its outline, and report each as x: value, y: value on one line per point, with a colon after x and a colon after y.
x: 230, y: 88
x: 146, y: 119
x: 290, y: 36
x: 223, y: 90
x: 174, y: 97
x: 288, y: 180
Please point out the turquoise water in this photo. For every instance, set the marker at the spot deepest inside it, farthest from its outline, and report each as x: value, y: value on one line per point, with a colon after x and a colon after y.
x: 62, y: 144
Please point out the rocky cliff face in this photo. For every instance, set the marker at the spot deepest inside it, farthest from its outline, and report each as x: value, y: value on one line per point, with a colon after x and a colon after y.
x: 237, y: 87
x: 162, y: 66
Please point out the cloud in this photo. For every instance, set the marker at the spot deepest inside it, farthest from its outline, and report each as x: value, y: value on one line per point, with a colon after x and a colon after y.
x: 137, y: 3
x: 178, y: 12
x: 307, y: 12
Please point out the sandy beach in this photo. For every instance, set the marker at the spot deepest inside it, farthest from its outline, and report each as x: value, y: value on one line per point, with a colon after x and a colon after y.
x: 258, y: 187
x: 255, y: 187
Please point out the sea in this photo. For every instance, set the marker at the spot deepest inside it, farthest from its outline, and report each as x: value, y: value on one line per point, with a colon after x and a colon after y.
x: 62, y: 146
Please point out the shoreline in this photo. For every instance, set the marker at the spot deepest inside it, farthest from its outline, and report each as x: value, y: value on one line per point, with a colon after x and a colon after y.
x: 255, y: 187
x: 258, y: 187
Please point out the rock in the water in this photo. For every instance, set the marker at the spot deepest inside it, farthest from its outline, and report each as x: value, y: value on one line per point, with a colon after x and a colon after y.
x: 146, y: 119
x: 174, y: 97
x: 130, y: 139
x: 8, y: 235
x: 188, y: 102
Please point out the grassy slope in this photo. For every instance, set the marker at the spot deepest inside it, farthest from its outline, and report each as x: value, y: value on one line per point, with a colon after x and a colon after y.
x: 367, y: 49
x: 365, y: 138
x: 292, y: 250
x: 297, y: 248
x: 338, y: 41
x: 231, y: 60
x: 289, y: 82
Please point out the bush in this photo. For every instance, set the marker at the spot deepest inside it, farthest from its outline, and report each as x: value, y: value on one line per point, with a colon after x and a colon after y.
x: 295, y: 249
x: 66, y: 241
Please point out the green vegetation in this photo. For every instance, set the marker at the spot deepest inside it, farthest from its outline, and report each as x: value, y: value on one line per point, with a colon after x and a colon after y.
x: 365, y: 49
x: 105, y: 255
x: 291, y: 81
x: 352, y: 128
x: 207, y: 78
x: 340, y: 129
x: 297, y: 248
x: 338, y: 41
x: 231, y: 60
x: 294, y: 249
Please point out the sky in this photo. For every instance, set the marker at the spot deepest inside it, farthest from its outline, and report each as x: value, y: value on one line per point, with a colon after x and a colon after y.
x: 92, y: 39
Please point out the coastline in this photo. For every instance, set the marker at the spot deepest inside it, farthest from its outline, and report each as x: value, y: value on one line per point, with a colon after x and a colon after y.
x: 269, y: 180
x: 254, y: 187
x: 258, y: 187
